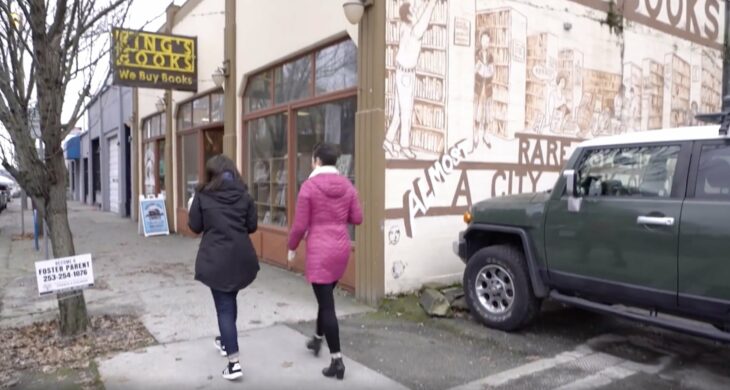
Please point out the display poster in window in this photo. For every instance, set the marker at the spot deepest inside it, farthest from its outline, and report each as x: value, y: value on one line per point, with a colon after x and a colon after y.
x: 154, y: 216
x: 64, y: 274
x: 153, y: 60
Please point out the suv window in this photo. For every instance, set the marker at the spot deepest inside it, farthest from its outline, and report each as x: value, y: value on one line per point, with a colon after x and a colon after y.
x: 641, y: 171
x: 713, y: 176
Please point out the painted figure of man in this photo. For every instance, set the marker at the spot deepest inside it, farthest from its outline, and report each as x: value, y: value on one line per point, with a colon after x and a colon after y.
x: 409, y: 49
x: 634, y: 110
x: 483, y: 75
x: 693, y: 111
x: 556, y: 106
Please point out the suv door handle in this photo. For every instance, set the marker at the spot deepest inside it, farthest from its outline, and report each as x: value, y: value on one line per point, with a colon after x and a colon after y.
x: 656, y: 221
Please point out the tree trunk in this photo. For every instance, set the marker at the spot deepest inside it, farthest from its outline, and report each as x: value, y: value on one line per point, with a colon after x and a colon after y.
x: 72, y: 309
x: 72, y: 306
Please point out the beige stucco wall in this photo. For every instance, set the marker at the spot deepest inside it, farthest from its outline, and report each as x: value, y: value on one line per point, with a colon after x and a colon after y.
x: 534, y: 45
x: 270, y: 31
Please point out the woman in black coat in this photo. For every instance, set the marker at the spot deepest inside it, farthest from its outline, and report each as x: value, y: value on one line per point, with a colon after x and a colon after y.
x: 225, y: 213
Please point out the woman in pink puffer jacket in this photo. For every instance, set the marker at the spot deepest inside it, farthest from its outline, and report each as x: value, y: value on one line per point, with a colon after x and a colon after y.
x: 326, y: 205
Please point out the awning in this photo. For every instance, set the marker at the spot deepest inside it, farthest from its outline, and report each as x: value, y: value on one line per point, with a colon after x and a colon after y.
x: 73, y: 148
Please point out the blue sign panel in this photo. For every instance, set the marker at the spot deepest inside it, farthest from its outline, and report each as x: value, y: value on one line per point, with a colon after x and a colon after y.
x: 154, y: 217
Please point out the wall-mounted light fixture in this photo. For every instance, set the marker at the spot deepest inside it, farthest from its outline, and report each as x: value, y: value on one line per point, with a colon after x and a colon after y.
x: 220, y: 74
x: 160, y: 104
x: 17, y: 21
x: 354, y: 9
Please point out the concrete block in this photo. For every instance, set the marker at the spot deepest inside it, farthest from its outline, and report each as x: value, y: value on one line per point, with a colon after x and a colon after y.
x: 434, y: 303
x: 453, y: 293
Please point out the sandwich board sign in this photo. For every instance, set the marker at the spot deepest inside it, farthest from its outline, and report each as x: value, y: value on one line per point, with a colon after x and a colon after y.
x: 64, y: 274
x: 153, y: 216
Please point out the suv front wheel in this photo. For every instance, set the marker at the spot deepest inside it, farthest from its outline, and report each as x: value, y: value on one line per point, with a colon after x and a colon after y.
x: 498, y: 288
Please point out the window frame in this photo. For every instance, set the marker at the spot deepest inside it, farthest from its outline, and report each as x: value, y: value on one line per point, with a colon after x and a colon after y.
x: 200, y: 130
x: 155, y: 140
x: 695, y: 168
x: 289, y: 108
x: 681, y: 170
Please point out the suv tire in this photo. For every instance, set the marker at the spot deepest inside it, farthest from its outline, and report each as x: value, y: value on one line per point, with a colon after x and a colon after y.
x: 498, y: 289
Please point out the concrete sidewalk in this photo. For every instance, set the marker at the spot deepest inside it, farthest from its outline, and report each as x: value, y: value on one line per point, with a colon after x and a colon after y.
x: 271, y: 358
x: 153, y: 279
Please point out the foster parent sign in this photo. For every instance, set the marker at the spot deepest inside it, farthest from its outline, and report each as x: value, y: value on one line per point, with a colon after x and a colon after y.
x: 153, y: 60
x: 64, y: 274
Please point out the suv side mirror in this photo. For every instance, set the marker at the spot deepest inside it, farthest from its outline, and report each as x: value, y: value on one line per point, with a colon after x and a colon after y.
x: 570, y: 187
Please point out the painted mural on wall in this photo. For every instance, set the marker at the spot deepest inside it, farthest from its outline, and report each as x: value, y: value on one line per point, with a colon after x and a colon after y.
x: 489, y: 97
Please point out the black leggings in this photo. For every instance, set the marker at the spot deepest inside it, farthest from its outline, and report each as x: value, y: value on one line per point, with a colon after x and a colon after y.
x: 326, y: 317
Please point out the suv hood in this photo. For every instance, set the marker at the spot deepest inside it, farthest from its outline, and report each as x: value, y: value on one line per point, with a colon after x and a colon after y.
x: 512, y: 210
x: 528, y: 198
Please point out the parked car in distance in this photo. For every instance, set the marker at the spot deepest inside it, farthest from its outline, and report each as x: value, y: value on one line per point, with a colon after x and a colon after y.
x: 637, y: 225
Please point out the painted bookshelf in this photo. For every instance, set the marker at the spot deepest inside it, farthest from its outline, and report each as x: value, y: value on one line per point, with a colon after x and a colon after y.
x: 677, y: 74
x: 711, y: 84
x: 570, y: 65
x: 428, y: 132
x: 508, y: 31
x: 652, y: 95
x: 599, y: 91
x: 542, y: 70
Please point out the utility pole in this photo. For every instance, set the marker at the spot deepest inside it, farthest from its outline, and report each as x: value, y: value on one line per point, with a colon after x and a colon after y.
x: 229, y: 86
x: 726, y: 58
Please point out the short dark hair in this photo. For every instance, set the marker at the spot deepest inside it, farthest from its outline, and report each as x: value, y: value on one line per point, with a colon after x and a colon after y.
x: 405, y: 11
x: 217, y: 170
x: 327, y: 153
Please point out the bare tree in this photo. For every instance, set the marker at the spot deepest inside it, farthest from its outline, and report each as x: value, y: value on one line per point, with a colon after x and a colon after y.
x: 46, y: 50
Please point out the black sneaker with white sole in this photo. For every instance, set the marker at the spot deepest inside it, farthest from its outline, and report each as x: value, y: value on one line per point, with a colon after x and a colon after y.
x: 232, y: 371
x: 221, y: 348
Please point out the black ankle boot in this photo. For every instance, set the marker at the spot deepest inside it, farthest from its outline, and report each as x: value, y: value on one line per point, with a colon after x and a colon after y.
x: 336, y: 369
x: 314, y: 345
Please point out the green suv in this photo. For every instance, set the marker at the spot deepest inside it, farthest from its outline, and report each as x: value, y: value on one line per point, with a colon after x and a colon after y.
x: 635, y: 221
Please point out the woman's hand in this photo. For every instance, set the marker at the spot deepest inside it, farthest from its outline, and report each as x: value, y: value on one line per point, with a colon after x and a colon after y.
x: 291, y: 255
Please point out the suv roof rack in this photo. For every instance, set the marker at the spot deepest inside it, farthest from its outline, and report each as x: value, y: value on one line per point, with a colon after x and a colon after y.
x: 720, y: 118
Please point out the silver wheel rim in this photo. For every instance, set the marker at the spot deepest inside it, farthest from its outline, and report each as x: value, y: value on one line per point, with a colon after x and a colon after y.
x: 495, y: 289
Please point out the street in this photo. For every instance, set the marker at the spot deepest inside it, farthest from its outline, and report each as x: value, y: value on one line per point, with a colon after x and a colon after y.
x: 397, y: 346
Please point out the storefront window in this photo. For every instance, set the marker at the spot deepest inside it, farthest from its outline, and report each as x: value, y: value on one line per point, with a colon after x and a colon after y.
x: 155, y: 126
x: 216, y: 107
x: 336, y: 68
x: 161, y: 163
x: 258, y: 94
x: 163, y: 126
x: 199, y: 120
x: 269, y: 167
x: 333, y: 123
x: 293, y: 80
x: 190, y: 159
x: 331, y: 71
x: 150, y: 183
x: 153, y: 131
x: 212, y: 144
x: 330, y: 122
x: 184, y: 117
x: 201, y: 111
